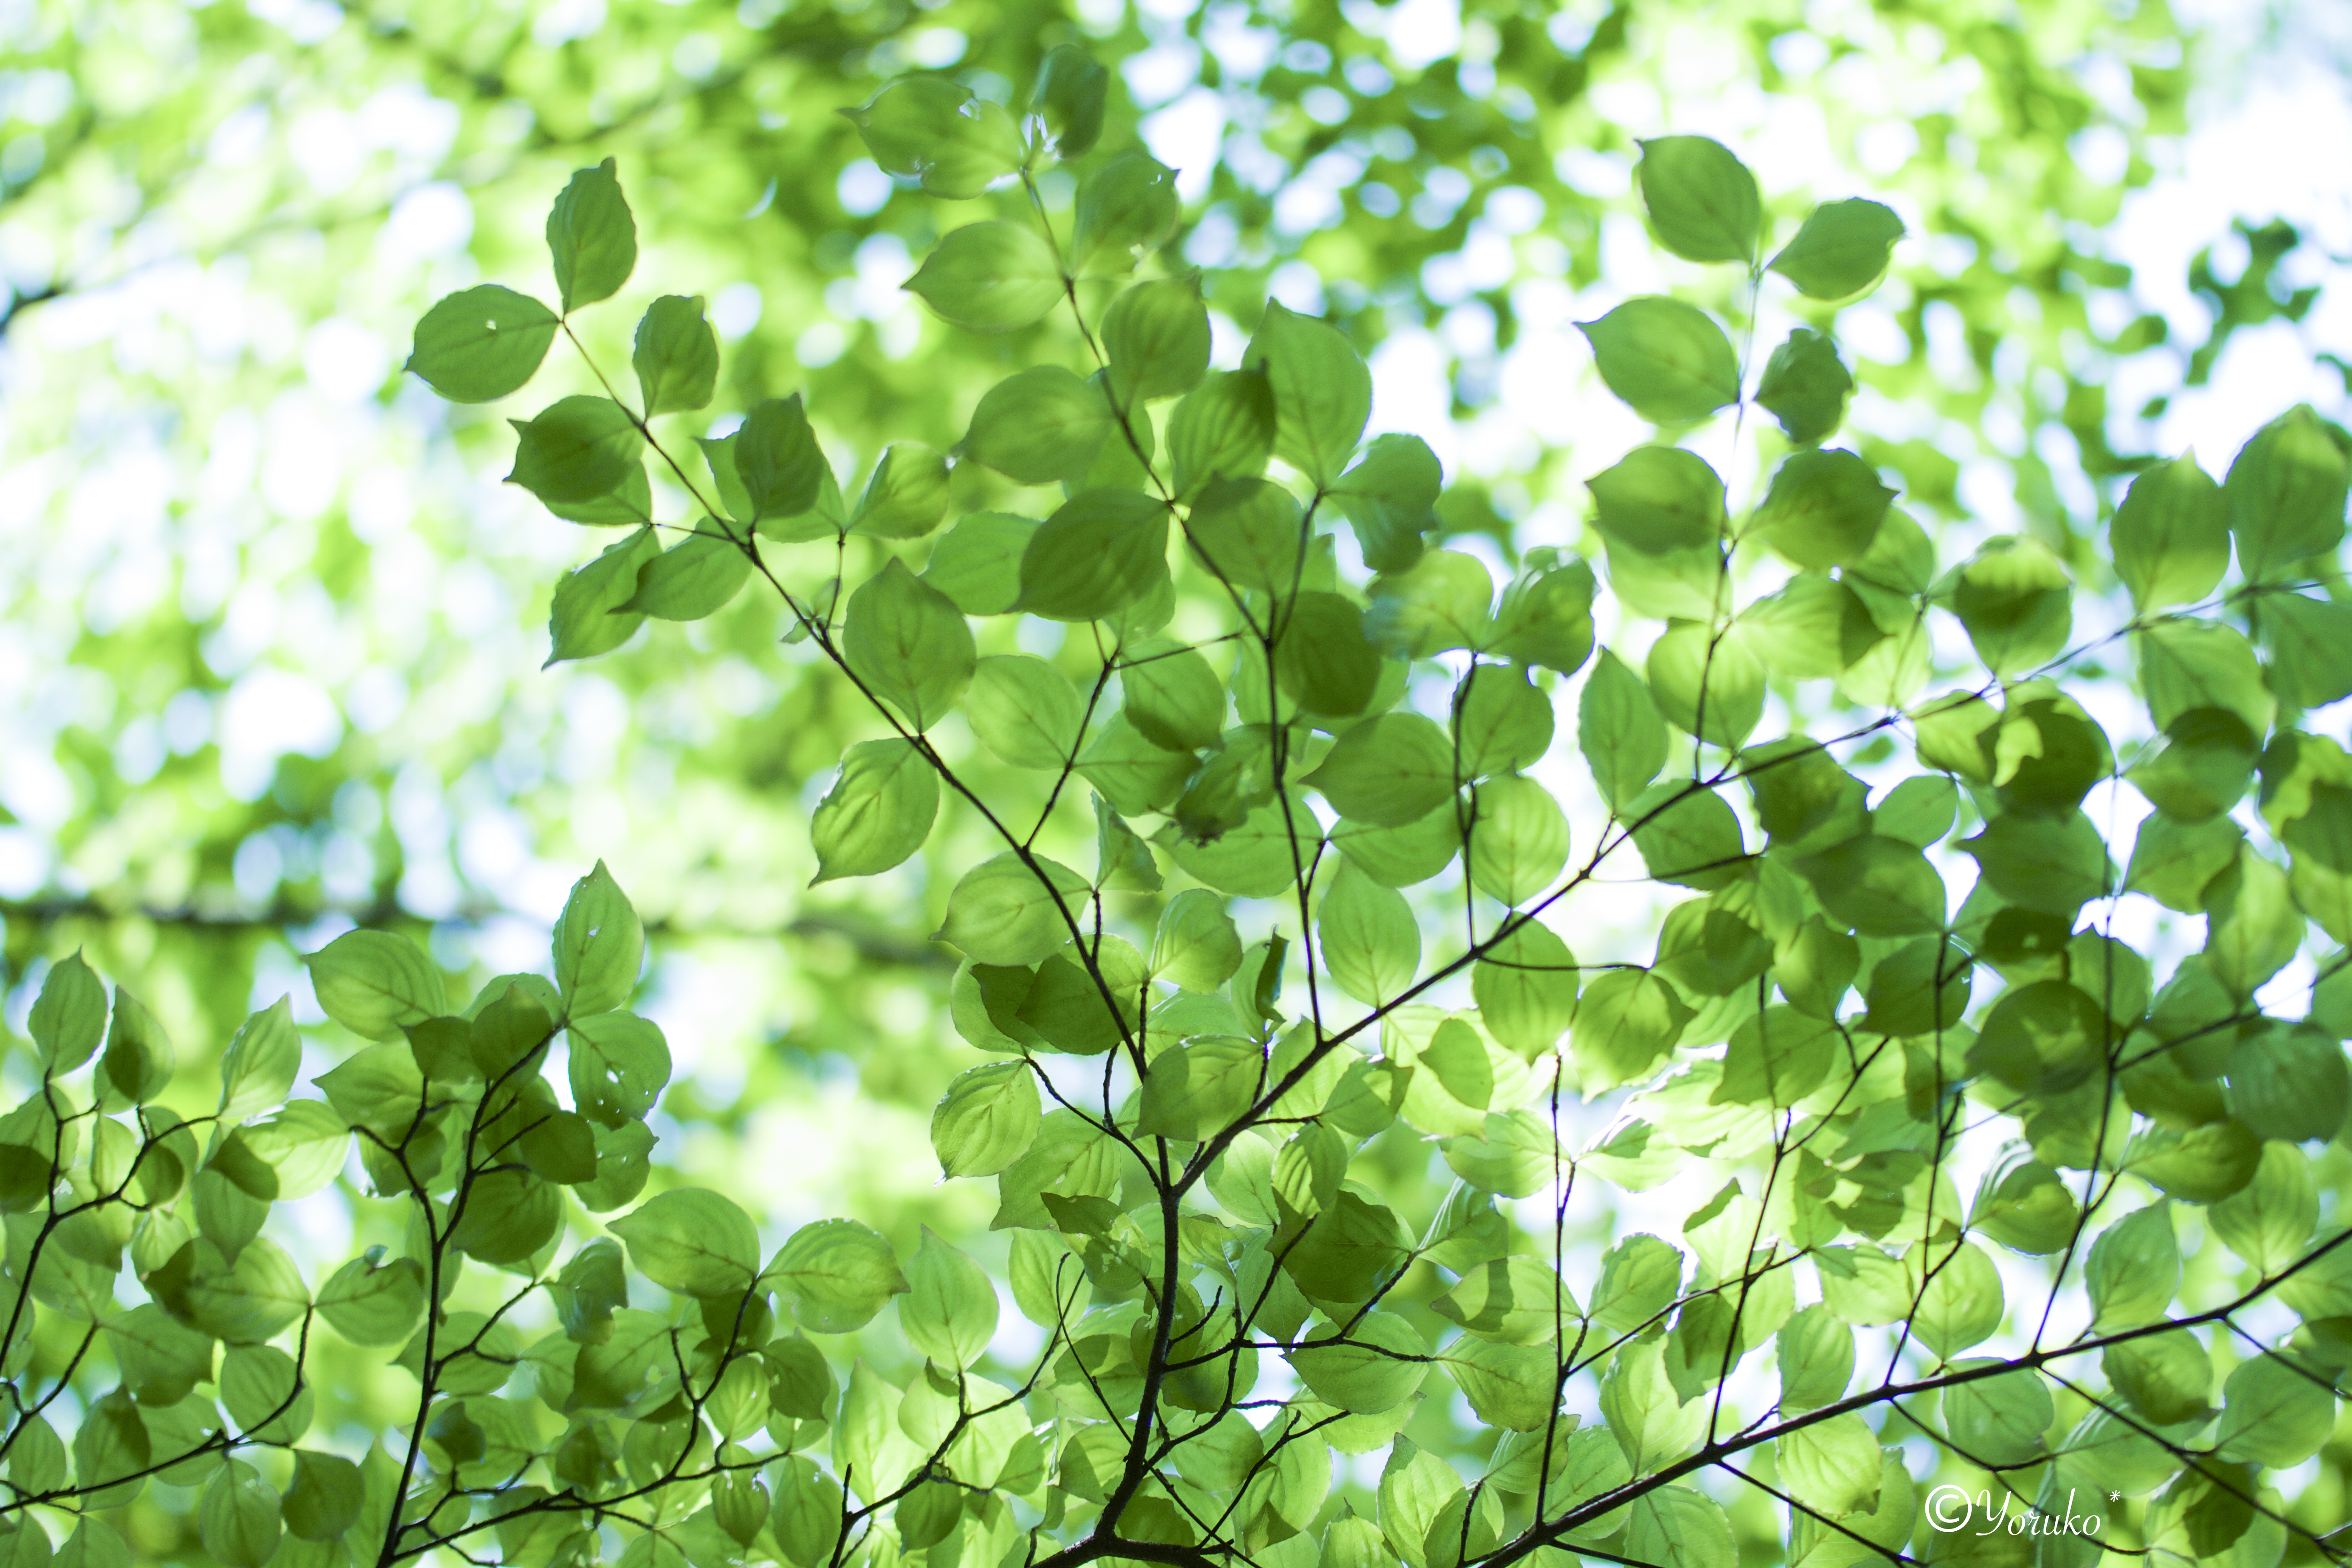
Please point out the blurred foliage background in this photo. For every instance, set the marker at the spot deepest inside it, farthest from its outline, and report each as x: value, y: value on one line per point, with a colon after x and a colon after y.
x: 270, y: 658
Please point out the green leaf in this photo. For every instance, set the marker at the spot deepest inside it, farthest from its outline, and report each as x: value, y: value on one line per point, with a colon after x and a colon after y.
x: 1005, y: 912
x: 1416, y: 1492
x: 2201, y: 768
x: 906, y: 495
x: 2274, y: 1412
x: 1667, y: 361
x: 2170, y: 537
x: 2287, y: 1083
x: 2133, y: 1270
x: 931, y: 129
x: 1832, y: 1466
x: 1842, y: 250
x: 2012, y: 598
x: 1322, y: 392
x: 1388, y: 771
x: 599, y: 945
x: 808, y: 1511
x: 2000, y: 1420
x: 1247, y: 533
x: 1702, y: 200
x: 1069, y: 96
x: 263, y: 1392
x: 1223, y: 429
x: 482, y: 343
x: 1196, y: 946
x: 1526, y: 988
x: 2285, y: 494
x: 2166, y: 1377
x: 1815, y: 1352
x: 1706, y: 685
x: 992, y: 277
x: 373, y: 982
x: 1390, y: 498
x: 2310, y: 641
x: 1865, y: 1287
x: 1776, y: 1057
x: 1025, y: 710
x: 1370, y: 941
x: 2268, y: 1221
x: 949, y: 1311
x: 1380, y: 1363
x: 619, y: 1064
x: 161, y: 1358
x: 1627, y: 1022
x: 238, y: 1517
x: 976, y: 563
x: 1401, y: 856
x: 1156, y: 336
x: 837, y: 1274
x: 374, y: 1301
x: 908, y: 644
x: 378, y: 1087
x: 1919, y: 988
x: 777, y: 461
x: 1547, y: 619
x: 1511, y: 1300
x: 137, y: 1063
x: 2055, y: 865
x: 1518, y: 839
x: 1508, y: 1386
x: 1322, y: 660
x: 1876, y: 887
x: 324, y: 1498
x: 1126, y: 206
x: 2175, y: 862
x: 675, y: 357
x: 1687, y: 836
x: 247, y: 1302
x: 258, y: 1068
x: 1442, y: 603
x: 1173, y: 696
x: 1620, y: 732
x: 692, y: 579
x: 583, y: 623
x: 693, y: 1241
x: 2186, y: 666
x: 68, y: 1017
x: 1961, y: 1300
x: 1805, y: 386
x: 1640, y: 1277
x: 1042, y: 426
x: 1657, y: 500
x: 577, y: 450
x: 1678, y: 1525
x: 1649, y: 1418
x: 1135, y: 775
x: 2253, y: 928
x: 591, y: 237
x: 987, y: 1120
x: 1823, y: 509
x: 1099, y: 553
x: 1197, y: 1091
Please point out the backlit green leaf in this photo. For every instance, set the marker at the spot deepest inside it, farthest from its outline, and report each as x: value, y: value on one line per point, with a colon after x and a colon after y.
x: 1842, y: 250
x: 482, y: 343
x: 1664, y: 359
x: 591, y: 237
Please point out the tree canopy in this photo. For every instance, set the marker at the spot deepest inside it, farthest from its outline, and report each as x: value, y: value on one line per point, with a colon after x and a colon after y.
x: 1381, y: 785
